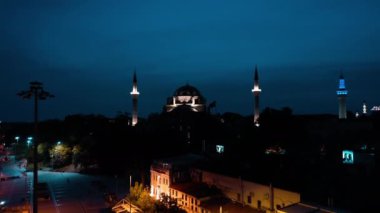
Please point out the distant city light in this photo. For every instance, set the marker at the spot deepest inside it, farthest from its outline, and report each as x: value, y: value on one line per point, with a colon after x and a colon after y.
x: 364, y: 147
x: 59, y: 143
x: 348, y: 156
x: 375, y: 108
x: 2, y: 202
x: 30, y: 138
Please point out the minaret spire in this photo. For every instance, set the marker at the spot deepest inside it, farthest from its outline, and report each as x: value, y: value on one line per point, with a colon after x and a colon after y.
x: 342, y: 94
x: 135, y: 93
x: 364, y: 108
x: 256, y: 92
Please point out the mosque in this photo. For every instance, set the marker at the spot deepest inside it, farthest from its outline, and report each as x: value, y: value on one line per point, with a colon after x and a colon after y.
x: 186, y: 97
x: 189, y: 98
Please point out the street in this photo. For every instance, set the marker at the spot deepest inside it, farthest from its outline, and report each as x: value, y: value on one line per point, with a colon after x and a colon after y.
x: 69, y: 192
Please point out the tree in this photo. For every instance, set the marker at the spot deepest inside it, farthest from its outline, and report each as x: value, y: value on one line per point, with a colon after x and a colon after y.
x: 60, y: 155
x: 139, y: 195
x: 77, y: 151
x: 43, y: 152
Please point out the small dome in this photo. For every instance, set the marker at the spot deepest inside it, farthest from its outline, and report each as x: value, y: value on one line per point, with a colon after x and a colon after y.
x: 187, y: 90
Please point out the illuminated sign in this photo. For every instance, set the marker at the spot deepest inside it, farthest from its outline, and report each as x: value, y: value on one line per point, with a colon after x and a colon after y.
x: 219, y: 149
x: 348, y: 156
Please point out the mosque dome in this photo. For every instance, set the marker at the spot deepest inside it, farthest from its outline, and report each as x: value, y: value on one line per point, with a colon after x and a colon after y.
x: 188, y: 96
x: 187, y: 90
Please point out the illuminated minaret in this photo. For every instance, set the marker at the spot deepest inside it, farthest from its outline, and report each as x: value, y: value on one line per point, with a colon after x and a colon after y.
x: 256, y: 92
x: 364, y: 108
x: 342, y: 94
x: 135, y: 94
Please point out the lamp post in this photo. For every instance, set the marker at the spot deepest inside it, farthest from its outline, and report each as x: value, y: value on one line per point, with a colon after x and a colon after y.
x: 17, y: 138
x: 38, y: 92
x: 130, y: 200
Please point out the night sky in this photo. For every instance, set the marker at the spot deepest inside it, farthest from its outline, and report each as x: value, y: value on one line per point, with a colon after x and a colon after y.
x: 85, y: 51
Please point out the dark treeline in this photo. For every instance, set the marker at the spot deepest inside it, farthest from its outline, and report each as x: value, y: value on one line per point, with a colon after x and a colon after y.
x: 300, y: 153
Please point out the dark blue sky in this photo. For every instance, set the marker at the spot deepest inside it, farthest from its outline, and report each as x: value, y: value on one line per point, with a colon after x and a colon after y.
x: 84, y: 51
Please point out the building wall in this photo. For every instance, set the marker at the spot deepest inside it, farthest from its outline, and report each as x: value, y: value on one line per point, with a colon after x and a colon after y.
x: 159, y: 183
x: 187, y: 202
x: 250, y: 193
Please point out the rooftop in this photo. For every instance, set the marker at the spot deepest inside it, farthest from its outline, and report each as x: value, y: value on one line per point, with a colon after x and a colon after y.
x: 227, y: 205
x: 303, y: 208
x: 197, y: 190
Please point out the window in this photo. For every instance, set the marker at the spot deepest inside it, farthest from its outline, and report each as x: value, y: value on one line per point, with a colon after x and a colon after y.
x: 238, y: 196
x: 249, y: 200
x: 192, y: 201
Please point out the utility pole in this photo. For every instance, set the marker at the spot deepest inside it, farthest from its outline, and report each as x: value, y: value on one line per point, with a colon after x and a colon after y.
x: 38, y: 92
x: 130, y: 200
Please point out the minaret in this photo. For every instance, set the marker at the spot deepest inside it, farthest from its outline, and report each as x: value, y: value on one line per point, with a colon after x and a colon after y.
x: 256, y: 92
x: 364, y: 108
x: 135, y: 94
x: 342, y: 94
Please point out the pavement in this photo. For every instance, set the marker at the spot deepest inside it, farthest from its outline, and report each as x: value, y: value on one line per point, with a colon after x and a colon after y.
x: 69, y: 192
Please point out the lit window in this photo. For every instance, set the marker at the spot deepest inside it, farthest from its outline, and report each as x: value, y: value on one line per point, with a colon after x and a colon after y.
x: 348, y: 156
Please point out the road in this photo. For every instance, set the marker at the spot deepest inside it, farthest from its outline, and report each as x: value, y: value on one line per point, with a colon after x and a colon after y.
x: 70, y: 192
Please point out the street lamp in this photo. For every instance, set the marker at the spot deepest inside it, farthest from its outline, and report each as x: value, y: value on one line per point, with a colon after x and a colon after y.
x: 17, y: 138
x: 130, y: 200
x: 39, y: 93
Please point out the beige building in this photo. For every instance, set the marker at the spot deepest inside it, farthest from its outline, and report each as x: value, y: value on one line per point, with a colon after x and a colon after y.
x: 167, y: 172
x: 304, y: 208
x: 199, y: 191
x: 247, y: 193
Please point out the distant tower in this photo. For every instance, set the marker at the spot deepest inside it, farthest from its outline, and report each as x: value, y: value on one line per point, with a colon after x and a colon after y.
x: 256, y: 92
x: 364, y: 108
x: 135, y: 94
x: 342, y: 94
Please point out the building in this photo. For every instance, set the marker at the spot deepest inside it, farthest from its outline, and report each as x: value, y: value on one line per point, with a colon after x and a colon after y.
x: 256, y: 93
x: 342, y: 95
x: 188, y: 98
x: 200, y: 191
x: 304, y: 208
x: 248, y: 193
x: 167, y: 172
x: 135, y: 94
